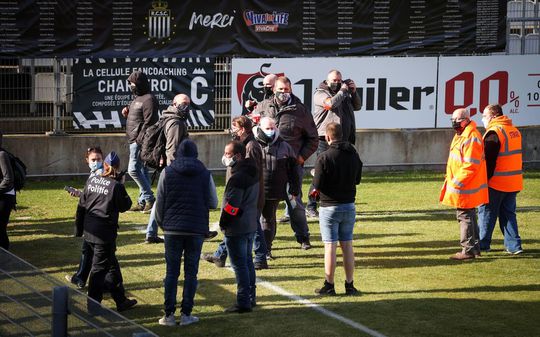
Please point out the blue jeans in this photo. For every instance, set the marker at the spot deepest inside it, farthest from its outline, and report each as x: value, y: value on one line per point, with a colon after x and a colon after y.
x: 151, y: 229
x: 190, y: 246
x: 139, y: 174
x: 259, y: 245
x: 312, y: 202
x: 239, y: 248
x: 337, y: 222
x: 503, y: 206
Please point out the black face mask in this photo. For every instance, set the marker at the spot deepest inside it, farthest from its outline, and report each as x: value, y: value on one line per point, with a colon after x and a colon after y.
x: 268, y: 92
x: 262, y: 136
x: 182, y: 110
x: 335, y: 86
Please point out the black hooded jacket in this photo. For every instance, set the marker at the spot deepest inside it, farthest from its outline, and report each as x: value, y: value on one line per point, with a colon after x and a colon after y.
x: 143, y: 110
x: 337, y: 172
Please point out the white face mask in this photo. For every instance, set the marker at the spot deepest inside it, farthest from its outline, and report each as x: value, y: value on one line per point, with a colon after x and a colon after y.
x: 485, y: 121
x: 228, y: 162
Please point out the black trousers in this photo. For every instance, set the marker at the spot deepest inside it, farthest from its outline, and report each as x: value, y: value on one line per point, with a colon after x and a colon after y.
x: 105, y: 273
x: 85, y: 264
x: 7, y: 203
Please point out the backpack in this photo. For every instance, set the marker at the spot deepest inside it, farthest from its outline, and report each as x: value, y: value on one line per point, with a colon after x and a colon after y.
x: 153, y: 145
x: 19, y: 171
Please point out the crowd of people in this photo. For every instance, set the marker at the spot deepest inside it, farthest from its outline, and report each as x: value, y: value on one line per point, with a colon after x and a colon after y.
x: 265, y: 165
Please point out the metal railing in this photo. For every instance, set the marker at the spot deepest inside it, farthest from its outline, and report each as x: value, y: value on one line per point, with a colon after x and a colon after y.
x: 26, y: 306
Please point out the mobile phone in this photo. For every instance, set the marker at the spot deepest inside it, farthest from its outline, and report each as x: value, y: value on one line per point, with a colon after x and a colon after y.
x: 70, y: 189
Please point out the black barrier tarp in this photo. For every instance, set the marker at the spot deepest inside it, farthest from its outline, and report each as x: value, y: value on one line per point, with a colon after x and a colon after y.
x: 101, y: 89
x: 138, y: 28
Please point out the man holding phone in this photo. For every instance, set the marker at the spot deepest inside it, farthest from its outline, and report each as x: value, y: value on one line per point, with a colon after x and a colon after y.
x: 335, y: 101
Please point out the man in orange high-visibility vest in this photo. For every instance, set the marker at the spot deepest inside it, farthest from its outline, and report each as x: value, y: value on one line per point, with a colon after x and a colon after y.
x: 465, y: 186
x: 502, y: 148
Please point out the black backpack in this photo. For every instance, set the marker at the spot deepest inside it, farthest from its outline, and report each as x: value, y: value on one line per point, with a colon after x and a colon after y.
x: 19, y: 171
x: 153, y: 145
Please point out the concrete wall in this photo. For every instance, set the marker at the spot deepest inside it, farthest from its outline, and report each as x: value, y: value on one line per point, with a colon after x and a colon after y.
x: 379, y: 149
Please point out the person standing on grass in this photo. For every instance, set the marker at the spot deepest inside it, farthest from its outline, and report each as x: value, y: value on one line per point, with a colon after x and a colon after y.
x: 297, y: 128
x: 238, y: 221
x: 465, y: 186
x: 140, y: 115
x: 185, y: 193
x: 103, y: 198
x: 279, y: 169
x: 94, y: 159
x: 241, y: 130
x: 502, y: 149
x: 337, y: 172
x: 336, y: 101
x: 7, y: 194
x: 175, y: 130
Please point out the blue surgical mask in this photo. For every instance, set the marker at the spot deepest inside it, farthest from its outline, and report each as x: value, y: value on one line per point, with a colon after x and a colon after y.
x: 96, y: 165
x: 270, y: 133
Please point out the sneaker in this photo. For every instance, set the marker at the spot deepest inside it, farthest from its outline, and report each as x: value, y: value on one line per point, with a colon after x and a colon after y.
x: 210, y: 235
x: 188, y: 319
x: 517, y: 252
x: 350, y: 289
x: 285, y: 218
x: 327, y: 289
x: 148, y: 207
x: 136, y: 208
x: 127, y: 304
x: 236, y: 309
x: 312, y: 213
x: 167, y: 320
x: 306, y: 245
x: 154, y: 239
x: 260, y: 265
x: 209, y: 257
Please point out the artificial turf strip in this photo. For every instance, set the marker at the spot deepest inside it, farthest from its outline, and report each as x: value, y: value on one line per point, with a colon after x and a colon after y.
x: 403, y: 240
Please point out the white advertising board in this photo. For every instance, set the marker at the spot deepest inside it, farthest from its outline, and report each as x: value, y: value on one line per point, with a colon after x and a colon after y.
x: 472, y: 82
x: 396, y: 92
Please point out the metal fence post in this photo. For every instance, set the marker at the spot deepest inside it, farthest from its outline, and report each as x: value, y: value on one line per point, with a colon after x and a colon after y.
x: 60, y: 311
x: 58, y: 106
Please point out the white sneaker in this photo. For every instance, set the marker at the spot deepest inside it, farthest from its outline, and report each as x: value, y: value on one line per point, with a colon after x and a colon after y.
x: 168, y: 320
x: 187, y: 320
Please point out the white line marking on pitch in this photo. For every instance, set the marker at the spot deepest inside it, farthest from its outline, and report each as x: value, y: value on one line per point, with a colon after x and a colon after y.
x: 318, y: 308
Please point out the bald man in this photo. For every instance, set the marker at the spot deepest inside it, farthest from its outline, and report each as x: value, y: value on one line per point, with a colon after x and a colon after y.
x: 268, y: 85
x: 465, y: 186
x: 175, y: 130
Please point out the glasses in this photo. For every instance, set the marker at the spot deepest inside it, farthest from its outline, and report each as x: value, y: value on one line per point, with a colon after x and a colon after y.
x: 456, y: 120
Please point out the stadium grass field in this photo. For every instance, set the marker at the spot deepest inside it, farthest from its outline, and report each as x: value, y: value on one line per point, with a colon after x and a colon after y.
x: 403, y: 240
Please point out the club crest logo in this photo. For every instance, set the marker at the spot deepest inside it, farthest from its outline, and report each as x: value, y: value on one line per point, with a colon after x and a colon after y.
x: 158, y: 26
x: 250, y: 86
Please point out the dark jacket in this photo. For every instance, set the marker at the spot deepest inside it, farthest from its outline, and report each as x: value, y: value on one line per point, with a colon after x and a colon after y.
x: 101, y: 202
x: 143, y: 110
x: 337, y: 172
x: 7, y: 177
x: 295, y: 124
x: 185, y: 193
x: 279, y: 166
x: 239, y: 210
x: 338, y: 108
x: 175, y: 132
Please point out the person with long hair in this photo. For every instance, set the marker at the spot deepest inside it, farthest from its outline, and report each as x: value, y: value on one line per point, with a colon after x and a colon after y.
x: 103, y: 198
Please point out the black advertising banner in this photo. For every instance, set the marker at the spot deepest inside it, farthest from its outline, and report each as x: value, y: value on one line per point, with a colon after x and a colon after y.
x: 278, y: 28
x: 101, y: 89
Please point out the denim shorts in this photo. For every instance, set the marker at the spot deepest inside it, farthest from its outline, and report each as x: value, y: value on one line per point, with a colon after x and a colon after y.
x: 337, y: 222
